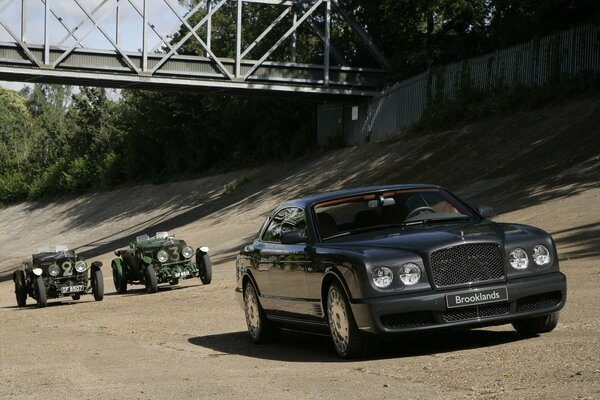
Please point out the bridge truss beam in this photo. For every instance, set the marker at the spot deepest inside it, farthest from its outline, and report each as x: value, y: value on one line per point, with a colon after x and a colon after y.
x: 84, y: 43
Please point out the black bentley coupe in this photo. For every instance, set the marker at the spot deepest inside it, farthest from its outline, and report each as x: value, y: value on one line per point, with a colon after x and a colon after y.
x: 378, y: 261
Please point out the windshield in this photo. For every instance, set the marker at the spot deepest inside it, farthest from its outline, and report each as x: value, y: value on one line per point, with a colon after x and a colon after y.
x: 381, y: 210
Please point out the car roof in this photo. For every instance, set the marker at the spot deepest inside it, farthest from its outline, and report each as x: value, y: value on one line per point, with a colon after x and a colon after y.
x: 321, y: 197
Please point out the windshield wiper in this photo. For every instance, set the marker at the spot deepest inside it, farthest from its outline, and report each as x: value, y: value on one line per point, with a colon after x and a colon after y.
x: 444, y: 219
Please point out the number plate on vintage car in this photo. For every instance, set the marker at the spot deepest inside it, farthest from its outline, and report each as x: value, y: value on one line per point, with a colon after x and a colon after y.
x: 72, y: 289
x: 476, y: 297
x: 182, y: 274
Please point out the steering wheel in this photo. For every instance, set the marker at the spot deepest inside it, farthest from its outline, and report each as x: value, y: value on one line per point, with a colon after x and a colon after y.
x: 419, y: 210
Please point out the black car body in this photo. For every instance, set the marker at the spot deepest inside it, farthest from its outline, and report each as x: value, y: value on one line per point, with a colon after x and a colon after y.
x: 54, y: 274
x: 388, y: 260
x: 159, y: 259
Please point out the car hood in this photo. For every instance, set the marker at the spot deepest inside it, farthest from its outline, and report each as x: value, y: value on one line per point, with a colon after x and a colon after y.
x: 430, y: 237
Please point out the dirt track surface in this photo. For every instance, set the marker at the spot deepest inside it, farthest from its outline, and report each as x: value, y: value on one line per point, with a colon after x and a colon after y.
x: 190, y: 340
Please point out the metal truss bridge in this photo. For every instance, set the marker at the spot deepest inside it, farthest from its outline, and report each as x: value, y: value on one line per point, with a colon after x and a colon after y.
x: 245, y: 45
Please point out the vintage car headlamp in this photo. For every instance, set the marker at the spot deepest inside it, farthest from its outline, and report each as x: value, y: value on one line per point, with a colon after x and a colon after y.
x: 53, y: 270
x: 541, y: 255
x: 37, y: 271
x: 518, y: 259
x: 410, y: 274
x: 80, y: 266
x: 382, y: 277
x: 187, y: 252
x: 162, y: 256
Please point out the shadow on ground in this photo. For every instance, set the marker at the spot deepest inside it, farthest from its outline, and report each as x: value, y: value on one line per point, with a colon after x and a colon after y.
x: 300, y: 347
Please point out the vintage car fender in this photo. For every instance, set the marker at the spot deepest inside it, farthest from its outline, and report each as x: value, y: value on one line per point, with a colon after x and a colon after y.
x: 146, y: 260
x: 96, y: 265
x: 117, y: 264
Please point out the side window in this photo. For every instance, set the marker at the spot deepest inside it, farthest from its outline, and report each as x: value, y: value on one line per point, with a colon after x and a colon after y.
x: 286, y: 220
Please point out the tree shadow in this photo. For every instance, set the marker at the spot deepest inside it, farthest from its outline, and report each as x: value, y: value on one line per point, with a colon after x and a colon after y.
x: 304, y: 347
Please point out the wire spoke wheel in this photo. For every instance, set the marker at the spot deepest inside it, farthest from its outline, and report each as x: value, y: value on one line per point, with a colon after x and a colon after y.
x: 338, y: 320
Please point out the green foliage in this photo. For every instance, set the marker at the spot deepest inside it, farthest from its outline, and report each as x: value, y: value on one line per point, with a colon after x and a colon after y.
x: 54, y: 142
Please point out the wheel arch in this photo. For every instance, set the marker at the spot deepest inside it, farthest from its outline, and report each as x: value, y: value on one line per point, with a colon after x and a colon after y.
x: 332, y: 275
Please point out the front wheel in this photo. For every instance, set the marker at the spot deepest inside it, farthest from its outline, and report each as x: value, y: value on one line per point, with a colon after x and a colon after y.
x: 119, y: 278
x: 150, y: 281
x: 20, y: 291
x: 535, y: 325
x: 348, y: 340
x: 40, y: 292
x: 259, y: 327
x: 97, y: 284
x: 204, y: 267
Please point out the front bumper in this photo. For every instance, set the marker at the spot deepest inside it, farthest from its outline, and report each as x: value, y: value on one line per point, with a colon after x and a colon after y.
x: 527, y: 297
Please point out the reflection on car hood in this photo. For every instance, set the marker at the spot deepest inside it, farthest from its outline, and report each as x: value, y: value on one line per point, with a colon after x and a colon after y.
x: 430, y: 236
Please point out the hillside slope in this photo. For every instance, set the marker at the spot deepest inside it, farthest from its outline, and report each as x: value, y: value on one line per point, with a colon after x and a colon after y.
x: 510, y: 162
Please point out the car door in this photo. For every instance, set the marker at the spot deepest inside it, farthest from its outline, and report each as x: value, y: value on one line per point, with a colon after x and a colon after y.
x: 287, y: 263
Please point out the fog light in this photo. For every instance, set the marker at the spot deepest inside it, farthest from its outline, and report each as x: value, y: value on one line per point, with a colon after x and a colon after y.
x: 187, y: 252
x: 80, y: 266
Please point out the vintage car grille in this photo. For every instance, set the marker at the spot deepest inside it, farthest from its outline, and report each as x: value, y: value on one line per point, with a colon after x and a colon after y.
x: 467, y: 263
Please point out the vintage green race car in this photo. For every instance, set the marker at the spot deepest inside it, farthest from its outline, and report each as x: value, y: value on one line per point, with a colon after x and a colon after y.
x: 160, y: 259
x: 54, y: 274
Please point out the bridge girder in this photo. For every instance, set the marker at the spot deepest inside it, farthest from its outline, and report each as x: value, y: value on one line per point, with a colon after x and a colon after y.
x: 65, y: 49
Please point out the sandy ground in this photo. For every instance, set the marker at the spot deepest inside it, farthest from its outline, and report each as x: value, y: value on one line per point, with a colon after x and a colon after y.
x: 190, y: 341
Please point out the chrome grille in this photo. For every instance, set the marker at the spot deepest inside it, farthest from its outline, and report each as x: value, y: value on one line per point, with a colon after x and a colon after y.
x: 467, y: 263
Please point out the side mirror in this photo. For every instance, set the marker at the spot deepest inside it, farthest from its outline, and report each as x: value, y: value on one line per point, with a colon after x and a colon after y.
x: 292, y: 237
x: 486, y: 211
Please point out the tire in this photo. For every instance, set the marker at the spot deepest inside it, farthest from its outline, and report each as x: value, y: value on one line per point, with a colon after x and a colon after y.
x: 98, y: 284
x: 40, y: 292
x: 532, y: 326
x: 204, y: 267
x: 349, y: 342
x: 261, y: 330
x: 150, y: 279
x: 20, y: 291
x: 119, y: 278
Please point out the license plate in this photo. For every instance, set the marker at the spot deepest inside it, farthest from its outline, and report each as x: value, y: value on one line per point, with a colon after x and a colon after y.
x: 182, y: 274
x: 476, y: 297
x: 72, y: 289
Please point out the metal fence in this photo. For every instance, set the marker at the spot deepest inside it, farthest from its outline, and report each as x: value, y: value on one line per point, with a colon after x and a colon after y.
x: 535, y: 63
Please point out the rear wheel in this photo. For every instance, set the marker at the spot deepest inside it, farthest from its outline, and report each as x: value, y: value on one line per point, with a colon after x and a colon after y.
x: 535, y: 325
x: 348, y: 340
x: 150, y: 279
x: 204, y: 267
x: 20, y: 291
x: 40, y: 292
x: 97, y: 284
x: 260, y: 328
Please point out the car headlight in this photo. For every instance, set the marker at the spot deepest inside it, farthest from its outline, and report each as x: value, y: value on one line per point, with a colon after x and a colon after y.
x: 410, y: 274
x: 541, y: 255
x: 53, y: 270
x: 80, y: 266
x: 187, y: 252
x: 162, y: 256
x: 382, y: 277
x: 518, y: 259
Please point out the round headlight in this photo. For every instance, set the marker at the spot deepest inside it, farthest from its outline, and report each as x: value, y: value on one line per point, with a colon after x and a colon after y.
x: 80, y: 266
x: 410, y: 274
x: 382, y: 277
x: 162, y: 256
x: 541, y: 255
x: 187, y: 252
x: 518, y: 259
x: 53, y: 270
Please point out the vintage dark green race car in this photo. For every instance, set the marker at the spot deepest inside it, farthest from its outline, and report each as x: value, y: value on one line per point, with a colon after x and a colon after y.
x: 160, y: 259
x: 54, y: 274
